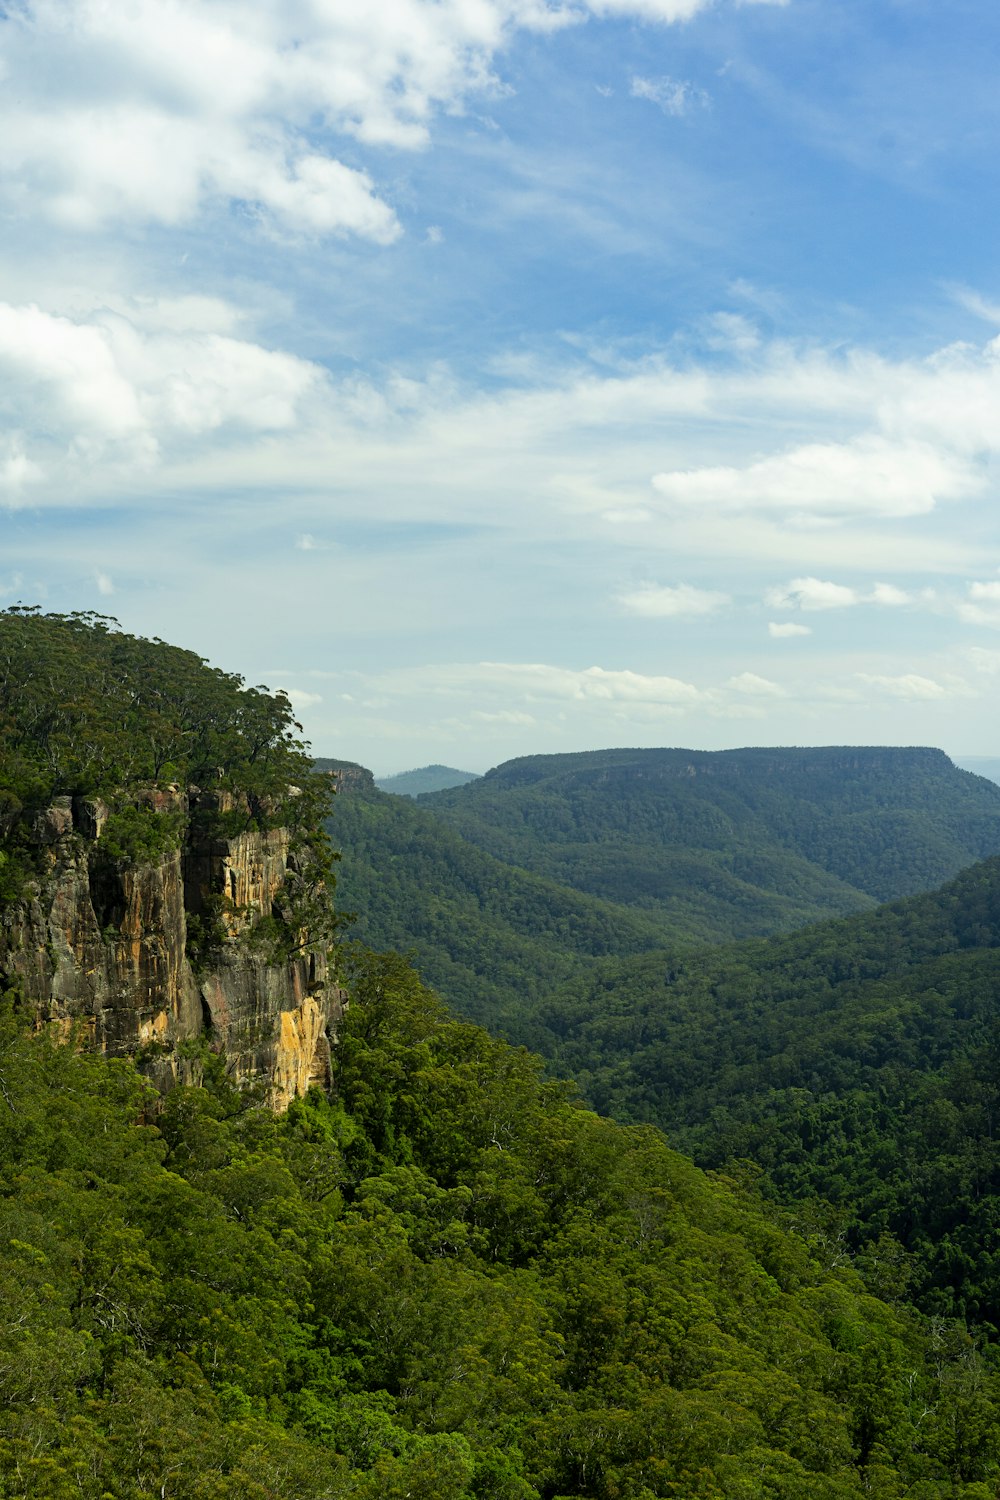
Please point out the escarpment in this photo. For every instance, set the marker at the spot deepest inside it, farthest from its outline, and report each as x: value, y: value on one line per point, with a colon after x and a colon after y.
x: 204, y: 939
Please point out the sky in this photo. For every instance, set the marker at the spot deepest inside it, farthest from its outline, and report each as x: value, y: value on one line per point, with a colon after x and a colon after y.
x: 508, y: 376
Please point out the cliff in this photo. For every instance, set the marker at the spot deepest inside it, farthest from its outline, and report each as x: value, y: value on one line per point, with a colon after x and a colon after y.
x: 151, y: 956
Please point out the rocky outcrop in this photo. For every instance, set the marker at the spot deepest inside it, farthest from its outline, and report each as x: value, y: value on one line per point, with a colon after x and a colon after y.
x: 99, y: 948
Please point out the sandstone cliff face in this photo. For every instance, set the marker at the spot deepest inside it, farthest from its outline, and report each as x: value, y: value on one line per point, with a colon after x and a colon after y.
x: 100, y: 947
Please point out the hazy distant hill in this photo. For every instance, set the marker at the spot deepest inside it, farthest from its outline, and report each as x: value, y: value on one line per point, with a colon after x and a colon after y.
x: 425, y: 779
x: 731, y: 843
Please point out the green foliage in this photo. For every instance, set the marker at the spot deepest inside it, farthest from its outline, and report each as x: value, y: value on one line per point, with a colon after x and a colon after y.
x: 495, y: 940
x: 729, y: 844
x: 857, y: 1064
x: 140, y: 835
x: 446, y: 1281
x: 86, y: 709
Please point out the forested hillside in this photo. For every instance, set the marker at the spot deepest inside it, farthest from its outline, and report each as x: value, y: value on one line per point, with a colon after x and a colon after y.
x: 437, y: 1276
x: 492, y: 938
x: 733, y: 844
x: 444, y: 1282
x: 857, y: 1062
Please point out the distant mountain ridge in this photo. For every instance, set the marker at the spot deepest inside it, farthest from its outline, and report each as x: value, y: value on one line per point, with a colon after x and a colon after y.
x: 729, y: 843
x: 517, y: 883
x: 424, y: 779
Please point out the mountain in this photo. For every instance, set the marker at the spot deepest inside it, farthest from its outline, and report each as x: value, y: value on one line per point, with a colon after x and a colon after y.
x: 347, y: 1247
x: 980, y: 765
x: 730, y: 844
x: 856, y: 1063
x: 425, y: 779
x: 492, y: 938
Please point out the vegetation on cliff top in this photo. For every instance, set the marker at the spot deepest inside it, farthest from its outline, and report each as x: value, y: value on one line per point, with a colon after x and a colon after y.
x: 89, y: 710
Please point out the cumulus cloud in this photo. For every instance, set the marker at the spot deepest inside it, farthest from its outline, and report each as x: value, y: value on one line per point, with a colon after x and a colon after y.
x: 819, y: 593
x: 811, y: 593
x: 300, y: 699
x: 889, y: 595
x: 77, y: 393
x: 786, y: 630
x: 869, y: 475
x: 150, y: 110
x: 679, y: 601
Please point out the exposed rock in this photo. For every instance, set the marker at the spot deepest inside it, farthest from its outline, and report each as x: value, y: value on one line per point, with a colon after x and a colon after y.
x: 99, y: 948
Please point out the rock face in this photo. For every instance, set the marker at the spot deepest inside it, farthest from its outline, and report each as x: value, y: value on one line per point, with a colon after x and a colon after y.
x: 100, y: 948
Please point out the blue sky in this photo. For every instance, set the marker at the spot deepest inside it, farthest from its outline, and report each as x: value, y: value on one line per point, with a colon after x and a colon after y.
x: 499, y: 376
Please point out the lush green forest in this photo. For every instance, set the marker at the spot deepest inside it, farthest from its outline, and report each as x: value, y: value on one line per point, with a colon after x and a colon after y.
x: 492, y: 938
x: 88, y: 710
x: 444, y: 1278
x: 444, y: 1282
x: 857, y: 1062
x: 732, y: 844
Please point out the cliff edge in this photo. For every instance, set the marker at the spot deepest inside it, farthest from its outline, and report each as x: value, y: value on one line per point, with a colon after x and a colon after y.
x: 154, y: 920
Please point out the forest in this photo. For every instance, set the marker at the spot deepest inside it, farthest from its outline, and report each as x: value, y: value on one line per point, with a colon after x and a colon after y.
x: 731, y: 1238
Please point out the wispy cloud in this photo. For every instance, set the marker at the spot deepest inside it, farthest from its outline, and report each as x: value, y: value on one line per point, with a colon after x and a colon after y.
x: 908, y: 685
x: 674, y: 96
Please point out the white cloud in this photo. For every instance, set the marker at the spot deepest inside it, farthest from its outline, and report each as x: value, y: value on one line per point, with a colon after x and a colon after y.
x: 503, y: 716
x: 300, y: 699
x: 818, y: 593
x: 908, y: 685
x: 975, y: 303
x: 756, y: 687
x: 110, y: 391
x: 868, y: 475
x: 149, y: 111
x: 983, y: 660
x: 786, y: 630
x: 680, y: 601
x: 18, y: 472
x: 889, y: 595
x: 536, y: 681
x: 105, y: 584
x: 675, y: 96
x: 811, y: 593
x: 982, y: 607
